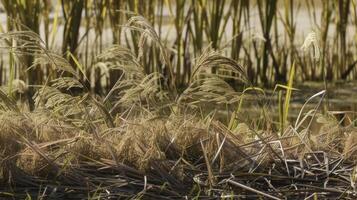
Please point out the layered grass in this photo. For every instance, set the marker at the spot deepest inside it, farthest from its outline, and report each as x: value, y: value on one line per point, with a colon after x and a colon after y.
x: 174, y: 157
x: 147, y: 138
x: 251, y: 32
x: 142, y: 116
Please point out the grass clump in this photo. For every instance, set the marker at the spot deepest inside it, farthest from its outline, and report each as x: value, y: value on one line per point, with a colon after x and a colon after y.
x: 145, y: 138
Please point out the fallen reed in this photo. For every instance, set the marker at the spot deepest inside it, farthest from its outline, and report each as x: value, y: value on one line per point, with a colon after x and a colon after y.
x: 154, y: 118
x: 142, y: 139
x: 88, y: 27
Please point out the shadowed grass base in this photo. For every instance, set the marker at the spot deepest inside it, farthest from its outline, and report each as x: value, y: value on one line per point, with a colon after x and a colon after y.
x: 175, y: 157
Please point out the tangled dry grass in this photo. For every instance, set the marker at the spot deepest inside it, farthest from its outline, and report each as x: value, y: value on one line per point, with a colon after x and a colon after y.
x: 143, y: 140
x: 174, y: 157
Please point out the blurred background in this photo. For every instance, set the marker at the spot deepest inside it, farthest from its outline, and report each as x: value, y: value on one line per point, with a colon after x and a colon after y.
x: 266, y: 37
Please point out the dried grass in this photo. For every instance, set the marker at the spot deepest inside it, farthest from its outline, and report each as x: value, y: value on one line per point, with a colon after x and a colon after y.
x: 179, y: 149
x: 143, y: 140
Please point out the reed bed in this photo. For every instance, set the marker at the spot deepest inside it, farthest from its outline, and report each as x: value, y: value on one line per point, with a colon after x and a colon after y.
x: 152, y: 118
x: 249, y: 32
x: 144, y: 139
x: 174, y: 157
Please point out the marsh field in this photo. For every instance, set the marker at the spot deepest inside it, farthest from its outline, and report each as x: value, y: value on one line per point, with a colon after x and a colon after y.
x: 178, y: 99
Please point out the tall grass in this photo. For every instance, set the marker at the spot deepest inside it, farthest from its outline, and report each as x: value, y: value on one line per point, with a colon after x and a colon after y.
x: 87, y: 27
x: 72, y: 15
x: 267, y: 12
x: 196, y: 24
x: 144, y: 140
x: 18, y: 13
x: 170, y: 124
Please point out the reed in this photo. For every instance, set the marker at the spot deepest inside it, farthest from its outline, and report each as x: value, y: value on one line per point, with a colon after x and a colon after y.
x: 341, y: 31
x: 18, y: 13
x: 141, y: 134
x: 325, y: 26
x: 196, y: 24
x: 72, y: 14
x: 267, y: 12
x: 171, y: 122
x: 116, y: 19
